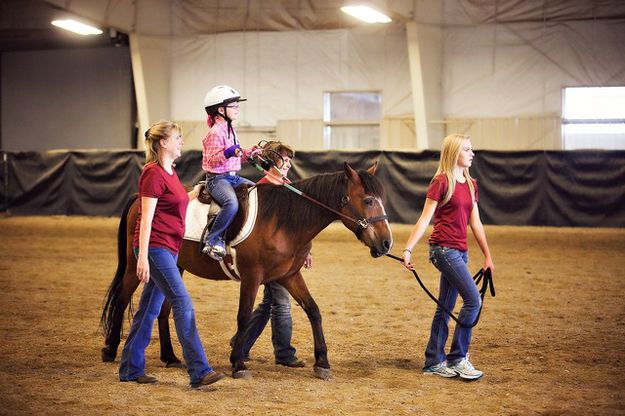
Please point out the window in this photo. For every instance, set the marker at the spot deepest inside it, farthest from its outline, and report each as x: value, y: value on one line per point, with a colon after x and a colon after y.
x: 593, y: 118
x: 352, y: 120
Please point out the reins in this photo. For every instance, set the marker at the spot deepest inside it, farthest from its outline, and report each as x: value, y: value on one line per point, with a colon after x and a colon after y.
x: 485, y: 276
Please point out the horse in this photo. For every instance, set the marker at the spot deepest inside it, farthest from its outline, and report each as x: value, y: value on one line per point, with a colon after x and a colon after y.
x: 275, y: 250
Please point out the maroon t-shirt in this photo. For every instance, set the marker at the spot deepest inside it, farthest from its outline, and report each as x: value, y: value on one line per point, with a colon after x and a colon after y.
x: 264, y: 179
x: 171, y: 207
x: 451, y: 219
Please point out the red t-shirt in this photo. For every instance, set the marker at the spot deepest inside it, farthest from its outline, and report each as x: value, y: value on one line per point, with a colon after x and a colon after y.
x: 171, y: 207
x: 451, y: 219
x: 264, y: 179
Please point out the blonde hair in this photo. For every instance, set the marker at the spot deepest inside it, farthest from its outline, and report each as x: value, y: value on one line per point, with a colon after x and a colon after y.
x: 161, y: 130
x: 450, y: 151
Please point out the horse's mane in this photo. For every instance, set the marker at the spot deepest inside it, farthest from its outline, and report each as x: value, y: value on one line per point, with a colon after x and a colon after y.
x: 295, y: 213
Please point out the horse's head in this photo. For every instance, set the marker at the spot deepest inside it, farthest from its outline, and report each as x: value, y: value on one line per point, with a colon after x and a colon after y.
x: 363, y: 204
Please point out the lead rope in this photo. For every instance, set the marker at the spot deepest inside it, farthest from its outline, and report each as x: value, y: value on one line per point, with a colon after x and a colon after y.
x: 485, y: 276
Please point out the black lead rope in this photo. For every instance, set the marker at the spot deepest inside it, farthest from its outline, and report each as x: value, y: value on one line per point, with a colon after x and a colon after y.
x: 484, y: 276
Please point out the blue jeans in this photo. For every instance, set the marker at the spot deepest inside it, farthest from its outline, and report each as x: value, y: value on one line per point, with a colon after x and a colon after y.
x: 165, y: 282
x: 221, y: 187
x: 455, y: 279
x: 276, y: 304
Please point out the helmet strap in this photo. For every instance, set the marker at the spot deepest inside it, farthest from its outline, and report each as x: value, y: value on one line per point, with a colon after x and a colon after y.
x: 229, y: 121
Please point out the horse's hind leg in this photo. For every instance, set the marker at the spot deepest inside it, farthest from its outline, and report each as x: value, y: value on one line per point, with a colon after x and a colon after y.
x: 120, y: 298
x: 167, y: 351
x: 298, y: 289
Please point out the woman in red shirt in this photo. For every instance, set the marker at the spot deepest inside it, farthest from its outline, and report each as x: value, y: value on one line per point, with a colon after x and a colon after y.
x: 158, y: 236
x: 452, y: 200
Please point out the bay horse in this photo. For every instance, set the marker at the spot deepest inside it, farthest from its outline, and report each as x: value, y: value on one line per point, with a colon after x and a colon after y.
x: 274, y: 251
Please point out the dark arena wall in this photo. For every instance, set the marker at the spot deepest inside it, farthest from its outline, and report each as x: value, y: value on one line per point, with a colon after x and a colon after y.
x: 553, y: 188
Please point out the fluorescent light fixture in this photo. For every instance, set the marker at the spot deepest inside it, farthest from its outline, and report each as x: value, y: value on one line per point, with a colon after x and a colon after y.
x: 76, y: 27
x: 366, y: 13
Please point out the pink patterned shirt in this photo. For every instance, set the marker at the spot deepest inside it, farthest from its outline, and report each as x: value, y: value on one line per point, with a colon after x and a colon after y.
x: 213, y: 146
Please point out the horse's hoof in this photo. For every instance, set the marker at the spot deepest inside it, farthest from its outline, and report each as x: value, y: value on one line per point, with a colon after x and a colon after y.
x: 175, y: 364
x: 107, y: 355
x: 242, y: 374
x: 323, y: 373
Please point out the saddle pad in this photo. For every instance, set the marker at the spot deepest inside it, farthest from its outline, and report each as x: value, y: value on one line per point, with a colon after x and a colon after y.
x: 197, y: 214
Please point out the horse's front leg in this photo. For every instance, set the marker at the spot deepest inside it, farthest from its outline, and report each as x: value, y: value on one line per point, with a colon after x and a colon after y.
x: 249, y: 288
x: 298, y: 289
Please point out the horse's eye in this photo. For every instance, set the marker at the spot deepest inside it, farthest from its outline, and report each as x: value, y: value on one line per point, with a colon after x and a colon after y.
x: 369, y: 202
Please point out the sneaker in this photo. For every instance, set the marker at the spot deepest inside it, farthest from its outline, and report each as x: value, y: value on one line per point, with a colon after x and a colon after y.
x: 215, y: 251
x: 440, y: 369
x: 465, y: 369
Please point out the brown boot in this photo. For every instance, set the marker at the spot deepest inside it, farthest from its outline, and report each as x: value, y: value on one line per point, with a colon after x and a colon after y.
x: 209, y: 378
x: 143, y: 380
x: 293, y: 363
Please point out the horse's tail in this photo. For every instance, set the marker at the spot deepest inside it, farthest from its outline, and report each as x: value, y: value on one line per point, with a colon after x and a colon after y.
x: 111, y: 304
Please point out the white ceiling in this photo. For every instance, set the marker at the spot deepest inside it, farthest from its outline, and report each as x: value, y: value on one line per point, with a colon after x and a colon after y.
x: 25, y: 24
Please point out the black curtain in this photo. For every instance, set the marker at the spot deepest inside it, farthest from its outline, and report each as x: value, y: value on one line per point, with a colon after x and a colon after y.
x: 552, y: 188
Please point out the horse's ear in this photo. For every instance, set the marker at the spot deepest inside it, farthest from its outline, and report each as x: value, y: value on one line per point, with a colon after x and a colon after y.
x: 373, y: 168
x: 351, y: 174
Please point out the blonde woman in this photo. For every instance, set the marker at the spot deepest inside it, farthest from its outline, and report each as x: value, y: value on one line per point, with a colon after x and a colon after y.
x: 157, y: 240
x: 452, y: 200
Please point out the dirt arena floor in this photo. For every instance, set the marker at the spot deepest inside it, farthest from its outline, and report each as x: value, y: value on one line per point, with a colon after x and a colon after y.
x: 551, y: 343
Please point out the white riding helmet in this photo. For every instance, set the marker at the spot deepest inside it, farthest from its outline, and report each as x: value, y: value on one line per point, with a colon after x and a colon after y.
x: 221, y: 95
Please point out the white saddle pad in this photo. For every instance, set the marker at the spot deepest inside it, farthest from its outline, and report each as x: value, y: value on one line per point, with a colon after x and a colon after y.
x: 197, y: 214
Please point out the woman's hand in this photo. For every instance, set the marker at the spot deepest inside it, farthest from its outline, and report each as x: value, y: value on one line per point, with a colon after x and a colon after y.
x: 195, y: 192
x: 143, y: 269
x: 406, y: 254
x: 308, y: 262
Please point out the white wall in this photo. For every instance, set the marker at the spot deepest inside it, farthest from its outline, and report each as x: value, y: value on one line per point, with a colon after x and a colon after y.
x: 503, y: 82
x: 66, y: 99
x: 284, y: 75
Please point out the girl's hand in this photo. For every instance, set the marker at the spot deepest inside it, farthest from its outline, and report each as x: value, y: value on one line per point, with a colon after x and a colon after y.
x: 488, y: 264
x: 143, y: 269
x: 406, y: 256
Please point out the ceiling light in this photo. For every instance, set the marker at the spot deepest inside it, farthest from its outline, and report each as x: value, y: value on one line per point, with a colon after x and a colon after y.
x: 366, y: 14
x: 76, y: 27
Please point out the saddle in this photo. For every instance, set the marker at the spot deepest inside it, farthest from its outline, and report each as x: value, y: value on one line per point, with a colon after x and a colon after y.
x: 202, y: 213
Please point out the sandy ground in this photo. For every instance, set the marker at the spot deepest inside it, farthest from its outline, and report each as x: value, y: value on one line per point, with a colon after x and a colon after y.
x: 551, y: 343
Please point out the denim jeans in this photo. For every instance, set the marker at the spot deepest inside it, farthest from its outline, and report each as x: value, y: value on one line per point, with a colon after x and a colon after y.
x: 221, y: 187
x: 165, y: 282
x: 455, y: 279
x: 276, y: 304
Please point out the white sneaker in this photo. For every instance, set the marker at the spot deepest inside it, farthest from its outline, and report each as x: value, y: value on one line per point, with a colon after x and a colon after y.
x: 465, y: 369
x: 440, y: 369
x: 216, y: 251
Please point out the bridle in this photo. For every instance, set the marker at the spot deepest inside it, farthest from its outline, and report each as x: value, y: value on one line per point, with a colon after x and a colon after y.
x: 362, y: 222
